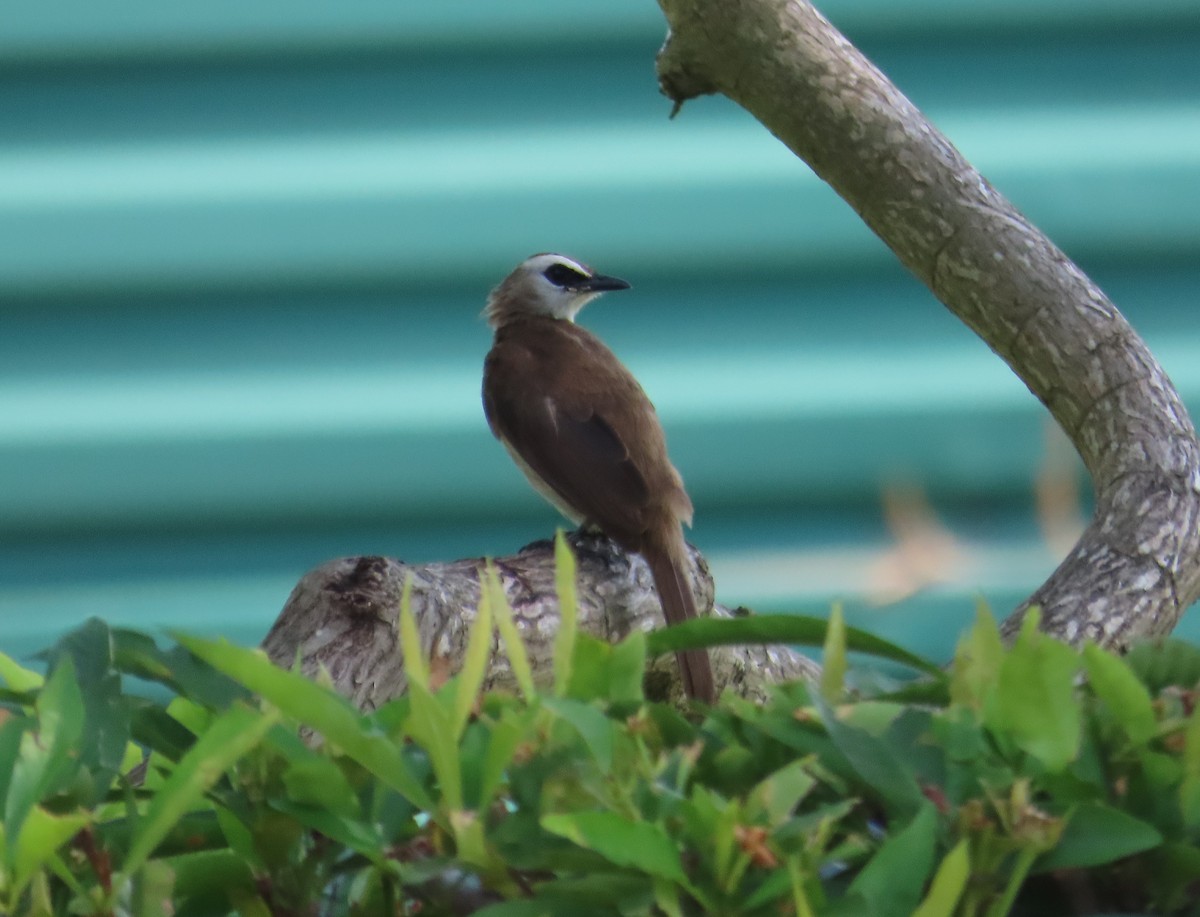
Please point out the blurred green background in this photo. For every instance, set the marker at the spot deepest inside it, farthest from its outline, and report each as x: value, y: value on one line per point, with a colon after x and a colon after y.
x: 244, y: 247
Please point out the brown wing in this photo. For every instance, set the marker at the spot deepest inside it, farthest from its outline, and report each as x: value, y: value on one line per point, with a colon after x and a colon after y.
x: 570, y: 435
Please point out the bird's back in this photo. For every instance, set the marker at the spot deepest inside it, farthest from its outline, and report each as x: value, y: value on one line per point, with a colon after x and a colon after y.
x: 558, y: 376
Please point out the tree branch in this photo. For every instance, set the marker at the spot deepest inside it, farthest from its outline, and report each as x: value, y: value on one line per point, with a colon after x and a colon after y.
x: 342, y: 617
x: 1137, y: 566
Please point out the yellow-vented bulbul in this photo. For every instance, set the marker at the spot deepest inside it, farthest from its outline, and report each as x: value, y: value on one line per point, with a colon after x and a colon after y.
x: 578, y: 424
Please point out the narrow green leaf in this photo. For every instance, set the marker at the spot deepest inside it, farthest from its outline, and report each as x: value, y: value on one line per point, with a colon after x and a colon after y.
x: 1096, y: 834
x: 503, y: 740
x: 777, y: 886
x: 320, y: 708
x: 231, y: 735
x: 431, y: 726
x: 568, y: 606
x: 768, y: 629
x: 594, y: 727
x: 12, y: 730
x: 48, y: 757
x: 41, y: 836
x: 474, y: 666
x: 833, y: 660
x: 1127, y: 698
x: 415, y: 667
x: 894, y: 878
x: 800, y: 902
x: 18, y: 677
x: 355, y: 833
x: 638, y: 845
x: 1034, y: 704
x: 514, y: 646
x: 948, y: 883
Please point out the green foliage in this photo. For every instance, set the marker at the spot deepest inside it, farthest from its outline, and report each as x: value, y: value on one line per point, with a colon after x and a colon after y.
x: 1031, y: 780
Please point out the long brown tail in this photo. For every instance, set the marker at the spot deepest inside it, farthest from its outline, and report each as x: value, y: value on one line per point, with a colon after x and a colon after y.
x: 678, y: 604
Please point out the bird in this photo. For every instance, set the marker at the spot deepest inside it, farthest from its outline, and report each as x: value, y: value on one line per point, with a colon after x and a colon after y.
x: 581, y: 428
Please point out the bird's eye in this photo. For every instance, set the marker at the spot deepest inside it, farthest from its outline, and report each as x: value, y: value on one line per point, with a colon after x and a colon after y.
x: 562, y: 276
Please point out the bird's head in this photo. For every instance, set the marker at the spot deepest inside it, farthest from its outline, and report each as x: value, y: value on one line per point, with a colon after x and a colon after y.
x: 547, y: 284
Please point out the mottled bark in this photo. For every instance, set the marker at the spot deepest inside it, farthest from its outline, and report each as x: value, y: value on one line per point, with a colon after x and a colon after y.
x: 342, y: 617
x: 1137, y: 566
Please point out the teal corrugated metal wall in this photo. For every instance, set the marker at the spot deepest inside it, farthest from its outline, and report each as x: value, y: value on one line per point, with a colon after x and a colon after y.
x: 243, y: 248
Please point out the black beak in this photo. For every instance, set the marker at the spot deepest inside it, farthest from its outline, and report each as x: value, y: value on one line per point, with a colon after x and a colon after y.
x: 599, y: 283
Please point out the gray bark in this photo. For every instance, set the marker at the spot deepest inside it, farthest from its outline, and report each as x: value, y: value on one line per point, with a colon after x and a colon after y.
x: 1137, y: 566
x: 342, y: 617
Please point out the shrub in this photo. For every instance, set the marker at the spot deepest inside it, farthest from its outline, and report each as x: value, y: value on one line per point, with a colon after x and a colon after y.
x: 1032, y: 779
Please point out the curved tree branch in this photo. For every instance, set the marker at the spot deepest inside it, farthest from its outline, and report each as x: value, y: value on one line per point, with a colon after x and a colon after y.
x: 1137, y: 566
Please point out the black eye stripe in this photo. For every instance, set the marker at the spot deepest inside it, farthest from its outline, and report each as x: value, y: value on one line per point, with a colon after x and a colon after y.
x: 562, y: 276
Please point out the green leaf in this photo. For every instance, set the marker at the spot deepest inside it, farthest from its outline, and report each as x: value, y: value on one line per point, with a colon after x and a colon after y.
x: 594, y: 727
x: 471, y: 846
x: 351, y: 832
x: 205, y: 882
x: 605, y: 893
x: 1172, y: 871
x: 415, y: 667
x: 977, y: 661
x: 532, y: 908
x: 770, y: 629
x: 153, y: 891
x: 1189, y: 787
x: 1096, y: 834
x: 231, y: 735
x: 782, y: 791
x: 627, y: 669
x: 568, y: 605
x: 1164, y: 663
x: 1034, y: 704
x: 1122, y: 692
x: 589, y: 669
x: 48, y: 758
x: 317, y: 781
x: 636, y: 845
x: 503, y: 739
x: 948, y: 883
x: 177, y: 668
x: 11, y: 731
x: 894, y: 878
x: 18, y: 677
x: 608, y: 671
x: 833, y: 660
x: 106, y: 712
x: 318, y: 707
x: 875, y: 762
x: 36, y: 846
x: 514, y: 646
x: 474, y: 667
x: 1191, y: 745
x: 431, y: 726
